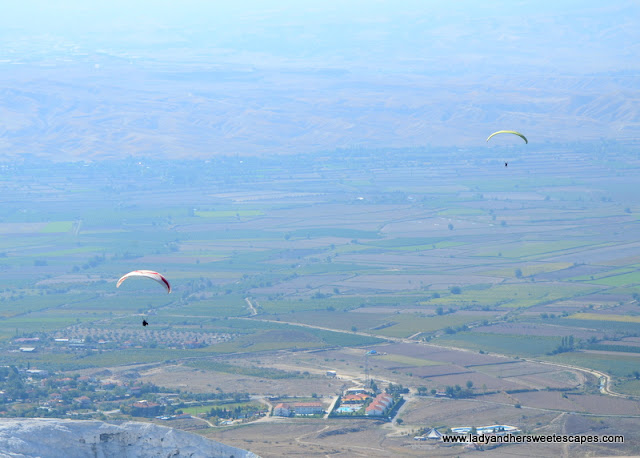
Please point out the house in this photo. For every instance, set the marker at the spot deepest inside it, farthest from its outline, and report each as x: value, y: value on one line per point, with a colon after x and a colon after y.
x: 27, y: 349
x: 332, y: 373
x: 384, y: 399
x: 357, y: 390
x: 434, y: 434
x: 354, y: 398
x: 307, y: 408
x: 282, y: 410
x: 374, y: 409
x: 84, y: 401
x: 145, y: 408
x: 298, y: 408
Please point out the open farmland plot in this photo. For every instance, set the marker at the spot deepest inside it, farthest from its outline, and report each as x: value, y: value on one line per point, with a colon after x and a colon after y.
x: 516, y: 368
x: 537, y: 329
x: 338, y: 320
x: 539, y: 250
x: 515, y: 295
x: 555, y: 380
x: 618, y: 328
x: 443, y: 370
x: 204, y: 379
x: 455, y: 413
x: 552, y: 400
x: 407, y: 360
x: 616, y: 364
x: 438, y: 353
x: 530, y: 269
x: 405, y: 325
x: 610, y: 255
x: 605, y: 405
x: 408, y: 282
x: 481, y: 382
x: 513, y: 344
x: 605, y: 317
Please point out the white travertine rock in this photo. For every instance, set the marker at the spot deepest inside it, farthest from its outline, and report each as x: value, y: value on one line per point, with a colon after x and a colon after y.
x: 53, y: 438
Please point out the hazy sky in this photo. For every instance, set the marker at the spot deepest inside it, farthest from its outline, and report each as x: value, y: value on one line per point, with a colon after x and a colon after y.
x: 459, y: 36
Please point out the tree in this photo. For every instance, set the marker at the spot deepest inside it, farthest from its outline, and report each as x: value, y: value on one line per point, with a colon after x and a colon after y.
x: 455, y: 290
x: 469, y: 384
x: 518, y: 273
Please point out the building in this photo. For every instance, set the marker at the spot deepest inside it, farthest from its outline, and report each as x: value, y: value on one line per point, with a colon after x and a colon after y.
x: 434, y: 434
x: 145, y: 408
x: 384, y: 399
x: 354, y: 398
x: 374, y: 409
x: 332, y: 374
x: 282, y: 410
x: 357, y: 390
x: 298, y: 408
x: 307, y: 408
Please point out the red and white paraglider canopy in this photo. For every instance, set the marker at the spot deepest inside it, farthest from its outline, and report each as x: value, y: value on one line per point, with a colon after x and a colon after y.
x: 148, y: 274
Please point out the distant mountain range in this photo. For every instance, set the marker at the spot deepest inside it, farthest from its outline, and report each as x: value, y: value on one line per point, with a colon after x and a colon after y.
x: 252, y: 80
x: 79, y: 113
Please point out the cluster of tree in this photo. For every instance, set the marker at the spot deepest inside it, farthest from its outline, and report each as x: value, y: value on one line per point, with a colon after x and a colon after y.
x: 237, y: 412
x: 423, y: 391
x: 567, y: 344
x: 457, y: 392
x: 396, y: 389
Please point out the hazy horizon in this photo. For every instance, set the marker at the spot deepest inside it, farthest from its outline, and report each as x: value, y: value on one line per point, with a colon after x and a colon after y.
x: 113, y: 79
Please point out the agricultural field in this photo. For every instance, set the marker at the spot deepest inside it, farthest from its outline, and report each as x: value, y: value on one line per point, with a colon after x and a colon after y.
x: 284, y: 270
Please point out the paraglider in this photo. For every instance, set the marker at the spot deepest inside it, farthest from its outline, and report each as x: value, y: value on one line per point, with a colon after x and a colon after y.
x: 148, y: 274
x: 509, y: 132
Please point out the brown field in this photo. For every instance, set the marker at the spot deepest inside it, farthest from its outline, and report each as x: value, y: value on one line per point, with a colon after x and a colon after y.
x: 202, y: 381
x: 436, y: 353
x: 516, y: 368
x: 605, y: 405
x: 439, y: 371
x: 548, y: 380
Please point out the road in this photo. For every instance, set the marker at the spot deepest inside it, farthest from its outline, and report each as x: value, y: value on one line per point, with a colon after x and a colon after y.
x: 605, y: 388
x: 254, y: 312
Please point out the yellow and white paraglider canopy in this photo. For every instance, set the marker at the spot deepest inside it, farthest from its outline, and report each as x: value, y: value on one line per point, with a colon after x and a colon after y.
x: 509, y: 132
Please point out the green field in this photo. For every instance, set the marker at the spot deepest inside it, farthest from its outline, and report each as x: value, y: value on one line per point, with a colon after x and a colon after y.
x: 228, y: 213
x: 311, y: 242
x: 618, y: 365
x: 510, y: 344
x: 604, y: 317
x: 405, y: 325
x: 516, y: 295
x: 57, y: 227
x: 536, y: 250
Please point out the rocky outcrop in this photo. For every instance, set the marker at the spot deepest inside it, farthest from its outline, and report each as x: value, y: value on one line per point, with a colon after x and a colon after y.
x: 30, y: 438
